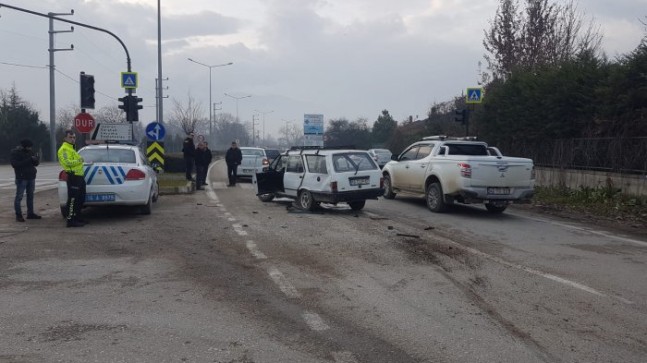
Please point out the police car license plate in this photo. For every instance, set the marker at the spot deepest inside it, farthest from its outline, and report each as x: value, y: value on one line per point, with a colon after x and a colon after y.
x: 358, y: 181
x: 498, y: 190
x: 99, y: 197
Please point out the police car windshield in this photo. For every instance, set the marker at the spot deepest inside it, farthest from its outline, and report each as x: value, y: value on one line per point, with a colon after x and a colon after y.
x: 108, y: 156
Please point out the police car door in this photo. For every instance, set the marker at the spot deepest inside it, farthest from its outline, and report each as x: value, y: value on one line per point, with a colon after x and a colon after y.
x: 293, y: 176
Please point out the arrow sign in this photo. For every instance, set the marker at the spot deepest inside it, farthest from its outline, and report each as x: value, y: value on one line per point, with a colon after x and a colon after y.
x: 155, y: 131
x: 155, y: 154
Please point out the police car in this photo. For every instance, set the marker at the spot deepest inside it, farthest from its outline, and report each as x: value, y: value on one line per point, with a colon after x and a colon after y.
x: 115, y: 174
x: 314, y: 175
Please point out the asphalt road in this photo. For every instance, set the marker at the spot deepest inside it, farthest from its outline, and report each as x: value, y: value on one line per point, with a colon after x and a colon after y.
x: 219, y: 276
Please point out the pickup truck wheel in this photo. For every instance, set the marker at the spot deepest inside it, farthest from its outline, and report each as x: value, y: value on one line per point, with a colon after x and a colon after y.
x: 266, y: 197
x: 306, y: 201
x: 388, y: 189
x: 357, y: 205
x: 435, y: 198
x: 64, y: 211
x: 495, y: 209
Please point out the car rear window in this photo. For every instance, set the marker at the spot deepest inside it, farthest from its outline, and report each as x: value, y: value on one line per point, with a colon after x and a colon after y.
x: 467, y: 149
x: 272, y: 154
x: 382, y: 151
x: 344, y: 162
x: 108, y: 156
x: 253, y: 152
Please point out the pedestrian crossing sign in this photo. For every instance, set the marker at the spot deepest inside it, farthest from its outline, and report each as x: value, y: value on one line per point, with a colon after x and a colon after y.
x: 474, y: 95
x: 129, y: 80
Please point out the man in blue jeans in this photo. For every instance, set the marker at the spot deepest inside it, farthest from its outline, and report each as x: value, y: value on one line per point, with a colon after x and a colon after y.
x: 24, y: 163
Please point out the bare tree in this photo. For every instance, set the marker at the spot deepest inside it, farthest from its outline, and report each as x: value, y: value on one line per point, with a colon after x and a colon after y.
x: 291, y: 135
x: 187, y: 116
x: 227, y: 129
x: 110, y: 114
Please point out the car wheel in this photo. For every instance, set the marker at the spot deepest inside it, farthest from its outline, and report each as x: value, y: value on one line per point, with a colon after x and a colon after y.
x: 435, y: 198
x: 357, y: 205
x: 148, y: 208
x: 266, y: 197
x: 157, y: 195
x: 495, y: 208
x: 306, y: 201
x: 64, y: 211
x: 388, y: 188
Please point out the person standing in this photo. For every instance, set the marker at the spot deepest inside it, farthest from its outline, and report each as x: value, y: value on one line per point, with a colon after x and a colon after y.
x: 188, y: 149
x: 202, y: 160
x: 72, y: 164
x: 233, y: 158
x: 24, y: 163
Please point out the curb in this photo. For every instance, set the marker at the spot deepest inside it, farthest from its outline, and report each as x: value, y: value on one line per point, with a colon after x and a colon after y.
x: 189, y: 188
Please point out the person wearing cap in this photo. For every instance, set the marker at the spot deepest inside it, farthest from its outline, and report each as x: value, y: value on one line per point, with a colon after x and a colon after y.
x: 188, y: 149
x: 72, y: 163
x: 24, y: 162
x: 233, y: 158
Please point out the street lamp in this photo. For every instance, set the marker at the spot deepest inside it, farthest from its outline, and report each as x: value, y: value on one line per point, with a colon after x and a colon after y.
x: 237, y: 98
x: 210, y: 106
x: 264, y: 113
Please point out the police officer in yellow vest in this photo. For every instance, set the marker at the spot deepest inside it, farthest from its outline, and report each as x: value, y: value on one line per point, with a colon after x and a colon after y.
x: 72, y: 163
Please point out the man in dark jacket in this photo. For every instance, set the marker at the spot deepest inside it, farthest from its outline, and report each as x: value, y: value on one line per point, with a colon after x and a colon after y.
x: 188, y: 148
x: 233, y: 157
x: 24, y: 163
x: 202, y: 160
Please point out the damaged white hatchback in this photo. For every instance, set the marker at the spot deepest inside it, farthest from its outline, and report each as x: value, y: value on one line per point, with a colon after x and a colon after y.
x: 314, y: 175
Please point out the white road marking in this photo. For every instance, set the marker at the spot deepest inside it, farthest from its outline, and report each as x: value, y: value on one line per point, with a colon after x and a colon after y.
x: 251, y: 246
x: 239, y: 229
x: 344, y: 357
x: 283, y: 283
x: 592, y: 231
x: 314, y: 321
x: 212, y: 195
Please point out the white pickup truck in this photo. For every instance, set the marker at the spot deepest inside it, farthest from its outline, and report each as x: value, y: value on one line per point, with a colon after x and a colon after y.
x: 447, y: 170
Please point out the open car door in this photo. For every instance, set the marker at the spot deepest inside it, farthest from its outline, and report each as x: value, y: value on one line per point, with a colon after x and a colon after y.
x: 270, y: 181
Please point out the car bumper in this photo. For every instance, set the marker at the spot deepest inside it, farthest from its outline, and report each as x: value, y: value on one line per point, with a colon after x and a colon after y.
x: 248, y: 172
x: 137, y: 194
x: 480, y: 195
x: 351, y: 196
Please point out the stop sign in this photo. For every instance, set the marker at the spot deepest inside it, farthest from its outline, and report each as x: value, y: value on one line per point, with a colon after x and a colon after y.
x: 84, y: 122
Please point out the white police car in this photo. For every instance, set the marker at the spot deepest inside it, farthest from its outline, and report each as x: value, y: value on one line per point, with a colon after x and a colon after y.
x: 115, y: 174
x: 313, y: 175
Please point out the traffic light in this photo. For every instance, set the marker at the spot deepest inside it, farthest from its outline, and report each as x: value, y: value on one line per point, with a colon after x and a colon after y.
x: 133, y: 108
x: 125, y: 104
x: 87, y: 91
x: 461, y: 116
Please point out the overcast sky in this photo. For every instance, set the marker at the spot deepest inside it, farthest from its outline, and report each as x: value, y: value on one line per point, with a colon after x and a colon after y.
x: 340, y: 58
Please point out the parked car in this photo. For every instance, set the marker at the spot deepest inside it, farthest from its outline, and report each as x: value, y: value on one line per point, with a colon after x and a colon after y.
x: 254, y: 161
x: 272, y: 154
x: 447, y: 170
x: 115, y: 174
x: 314, y: 175
x: 381, y: 156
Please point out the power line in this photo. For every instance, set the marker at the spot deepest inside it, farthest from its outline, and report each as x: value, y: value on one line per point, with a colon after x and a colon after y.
x: 77, y: 81
x: 22, y: 65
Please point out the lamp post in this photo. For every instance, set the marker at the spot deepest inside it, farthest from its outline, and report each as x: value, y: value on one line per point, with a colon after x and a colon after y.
x: 264, y: 113
x: 210, y: 109
x: 237, y: 98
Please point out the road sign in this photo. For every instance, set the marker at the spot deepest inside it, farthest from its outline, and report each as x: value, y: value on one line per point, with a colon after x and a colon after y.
x: 474, y: 95
x: 113, y: 131
x: 129, y: 80
x: 155, y: 131
x: 155, y: 154
x: 84, y: 122
x: 313, y: 124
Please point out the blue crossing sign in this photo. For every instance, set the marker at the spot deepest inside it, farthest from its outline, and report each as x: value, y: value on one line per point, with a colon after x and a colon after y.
x: 474, y: 95
x: 129, y: 80
x: 155, y: 131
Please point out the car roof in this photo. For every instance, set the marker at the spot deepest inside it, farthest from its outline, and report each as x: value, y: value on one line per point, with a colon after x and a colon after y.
x: 325, y: 151
x: 251, y: 148
x: 110, y: 146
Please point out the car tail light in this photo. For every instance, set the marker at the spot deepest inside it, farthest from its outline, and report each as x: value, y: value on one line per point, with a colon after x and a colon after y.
x: 62, y: 176
x: 333, y: 186
x: 266, y: 162
x: 466, y: 170
x: 135, y: 174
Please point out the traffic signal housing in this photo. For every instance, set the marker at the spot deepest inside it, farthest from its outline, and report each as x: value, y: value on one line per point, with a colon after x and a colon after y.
x: 461, y: 116
x: 134, y: 107
x: 87, y: 91
x: 125, y: 104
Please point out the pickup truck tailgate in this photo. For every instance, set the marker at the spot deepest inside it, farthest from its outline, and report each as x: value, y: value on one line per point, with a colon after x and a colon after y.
x: 513, y: 172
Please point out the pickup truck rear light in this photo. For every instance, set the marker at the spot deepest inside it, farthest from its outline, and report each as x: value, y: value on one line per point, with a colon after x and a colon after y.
x: 135, y: 174
x: 333, y: 187
x: 466, y: 170
x: 62, y: 176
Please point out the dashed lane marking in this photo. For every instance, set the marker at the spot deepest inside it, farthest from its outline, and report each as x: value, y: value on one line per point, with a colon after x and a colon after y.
x: 239, y: 229
x: 283, y: 283
x: 344, y: 357
x: 314, y: 321
x: 251, y: 246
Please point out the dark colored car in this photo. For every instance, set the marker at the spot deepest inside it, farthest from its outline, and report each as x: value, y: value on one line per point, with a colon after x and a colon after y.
x: 272, y: 154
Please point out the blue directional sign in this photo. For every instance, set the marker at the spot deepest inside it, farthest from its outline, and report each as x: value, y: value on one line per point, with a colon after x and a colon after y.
x: 129, y: 80
x: 474, y: 95
x: 155, y: 131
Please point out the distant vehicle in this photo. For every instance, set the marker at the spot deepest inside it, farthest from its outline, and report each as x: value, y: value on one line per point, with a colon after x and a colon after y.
x: 115, y: 175
x: 272, y: 154
x: 254, y: 161
x: 448, y: 170
x: 313, y: 175
x: 381, y: 156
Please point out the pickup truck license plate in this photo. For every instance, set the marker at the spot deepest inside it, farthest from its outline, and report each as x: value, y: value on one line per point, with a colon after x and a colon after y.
x: 498, y: 190
x: 99, y: 197
x: 248, y: 170
x: 359, y: 181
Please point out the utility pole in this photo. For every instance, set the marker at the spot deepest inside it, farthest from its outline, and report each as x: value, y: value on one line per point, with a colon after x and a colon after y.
x: 215, y: 108
x: 52, y: 78
x: 254, y: 129
x: 158, y: 97
x: 160, y: 108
